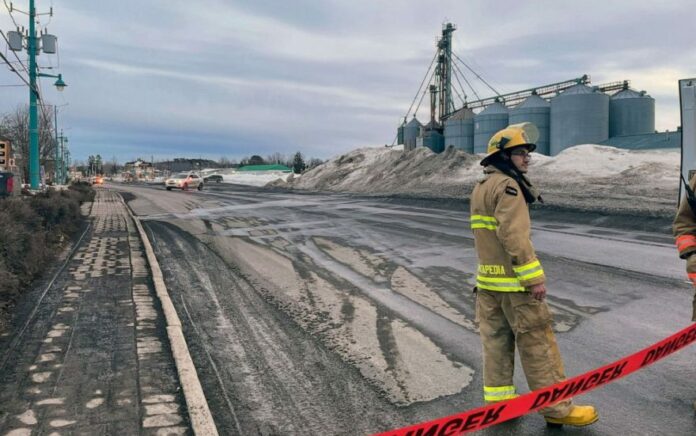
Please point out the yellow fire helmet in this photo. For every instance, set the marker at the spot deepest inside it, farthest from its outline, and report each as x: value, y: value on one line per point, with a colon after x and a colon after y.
x: 514, y: 135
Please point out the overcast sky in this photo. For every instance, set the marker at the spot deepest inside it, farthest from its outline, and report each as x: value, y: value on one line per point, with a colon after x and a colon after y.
x: 212, y: 78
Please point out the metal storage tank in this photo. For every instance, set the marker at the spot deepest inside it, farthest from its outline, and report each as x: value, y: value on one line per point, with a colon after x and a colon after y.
x: 537, y: 111
x: 431, y: 137
x: 580, y: 115
x: 631, y: 113
x: 459, y: 130
x: 411, y: 131
x: 400, y: 133
x: 487, y: 123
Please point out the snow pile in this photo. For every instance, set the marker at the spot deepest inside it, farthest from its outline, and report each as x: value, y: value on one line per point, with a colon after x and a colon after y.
x: 255, y: 179
x: 587, y: 176
x: 387, y: 171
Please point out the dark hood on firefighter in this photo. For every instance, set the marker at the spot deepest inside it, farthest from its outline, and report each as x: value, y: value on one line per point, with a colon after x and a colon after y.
x: 530, y: 192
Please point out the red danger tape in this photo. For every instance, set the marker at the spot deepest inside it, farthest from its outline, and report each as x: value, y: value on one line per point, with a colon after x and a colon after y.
x: 487, y: 416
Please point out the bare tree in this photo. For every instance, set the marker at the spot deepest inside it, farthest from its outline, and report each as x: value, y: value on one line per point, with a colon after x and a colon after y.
x: 224, y: 162
x: 15, y: 127
x: 314, y: 162
x: 111, y: 167
x: 275, y: 158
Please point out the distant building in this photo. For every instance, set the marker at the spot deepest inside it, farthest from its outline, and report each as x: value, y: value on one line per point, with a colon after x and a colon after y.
x: 139, y: 169
x: 75, y: 174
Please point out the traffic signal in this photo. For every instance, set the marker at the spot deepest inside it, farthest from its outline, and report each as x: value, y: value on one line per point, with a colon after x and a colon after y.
x: 4, y: 153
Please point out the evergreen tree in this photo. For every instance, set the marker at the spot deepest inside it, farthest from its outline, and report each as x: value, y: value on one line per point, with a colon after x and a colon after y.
x: 298, y: 163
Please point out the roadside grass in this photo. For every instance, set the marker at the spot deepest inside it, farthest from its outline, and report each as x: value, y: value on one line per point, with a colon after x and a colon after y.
x: 33, y: 231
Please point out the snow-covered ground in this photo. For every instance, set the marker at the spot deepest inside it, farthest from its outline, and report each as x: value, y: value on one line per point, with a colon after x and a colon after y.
x: 593, y: 177
x: 254, y: 179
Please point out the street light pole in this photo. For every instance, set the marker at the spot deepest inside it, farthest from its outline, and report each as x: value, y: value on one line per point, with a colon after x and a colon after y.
x: 57, y: 166
x: 33, y: 110
x: 33, y: 49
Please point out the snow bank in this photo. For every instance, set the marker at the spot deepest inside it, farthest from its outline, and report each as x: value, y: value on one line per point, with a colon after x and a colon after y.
x: 587, y: 176
x: 254, y: 179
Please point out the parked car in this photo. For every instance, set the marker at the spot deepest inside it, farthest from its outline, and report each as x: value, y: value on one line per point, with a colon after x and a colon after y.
x: 97, y: 180
x: 217, y: 178
x: 184, y: 181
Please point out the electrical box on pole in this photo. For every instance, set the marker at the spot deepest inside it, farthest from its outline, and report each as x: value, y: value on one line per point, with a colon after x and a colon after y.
x: 48, y: 43
x: 15, y: 40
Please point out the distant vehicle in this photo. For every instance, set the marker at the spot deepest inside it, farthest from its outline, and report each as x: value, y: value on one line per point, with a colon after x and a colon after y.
x: 217, y: 178
x: 184, y: 181
x: 97, y: 180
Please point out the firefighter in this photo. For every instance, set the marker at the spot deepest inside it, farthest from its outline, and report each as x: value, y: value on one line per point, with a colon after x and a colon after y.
x: 684, y: 229
x: 510, y: 289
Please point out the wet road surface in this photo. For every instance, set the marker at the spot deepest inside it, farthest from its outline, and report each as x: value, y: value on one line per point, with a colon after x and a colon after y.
x: 341, y: 315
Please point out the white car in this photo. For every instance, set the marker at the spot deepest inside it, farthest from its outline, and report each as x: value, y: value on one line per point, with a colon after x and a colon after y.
x: 184, y: 181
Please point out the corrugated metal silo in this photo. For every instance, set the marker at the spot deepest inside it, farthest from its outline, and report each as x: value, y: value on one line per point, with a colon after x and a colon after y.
x: 580, y: 115
x: 411, y: 131
x: 431, y: 137
x: 495, y: 117
x: 537, y: 111
x: 400, y: 133
x: 631, y: 113
x: 459, y: 130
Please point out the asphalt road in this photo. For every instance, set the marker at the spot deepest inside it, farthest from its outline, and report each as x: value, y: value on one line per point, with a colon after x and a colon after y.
x: 332, y: 314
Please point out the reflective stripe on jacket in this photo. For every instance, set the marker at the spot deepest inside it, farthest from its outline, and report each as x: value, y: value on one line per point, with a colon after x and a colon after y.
x: 501, y: 226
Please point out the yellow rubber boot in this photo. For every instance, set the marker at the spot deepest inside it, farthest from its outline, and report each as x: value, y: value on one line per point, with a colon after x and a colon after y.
x: 579, y: 416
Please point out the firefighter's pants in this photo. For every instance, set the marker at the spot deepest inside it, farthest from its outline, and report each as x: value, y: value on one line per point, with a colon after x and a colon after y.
x: 507, y: 319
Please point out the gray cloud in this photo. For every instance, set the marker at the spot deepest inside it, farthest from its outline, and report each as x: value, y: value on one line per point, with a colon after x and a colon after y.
x: 215, y: 77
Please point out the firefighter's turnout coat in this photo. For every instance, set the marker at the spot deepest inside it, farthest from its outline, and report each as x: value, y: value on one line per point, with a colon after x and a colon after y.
x: 507, y: 314
x: 501, y: 226
x: 684, y: 229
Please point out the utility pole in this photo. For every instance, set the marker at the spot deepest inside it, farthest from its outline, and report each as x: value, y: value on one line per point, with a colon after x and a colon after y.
x: 63, y: 164
x: 67, y: 158
x: 58, y: 165
x: 32, y: 44
x: 33, y: 110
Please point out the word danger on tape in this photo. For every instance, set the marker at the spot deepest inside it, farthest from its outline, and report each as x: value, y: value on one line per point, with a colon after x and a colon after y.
x: 487, y: 416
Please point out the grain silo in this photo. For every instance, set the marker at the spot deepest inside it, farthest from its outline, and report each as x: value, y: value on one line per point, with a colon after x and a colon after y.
x: 537, y: 111
x: 431, y: 137
x: 459, y: 130
x: 487, y: 123
x: 580, y: 115
x: 631, y: 113
x: 400, y: 133
x: 411, y: 132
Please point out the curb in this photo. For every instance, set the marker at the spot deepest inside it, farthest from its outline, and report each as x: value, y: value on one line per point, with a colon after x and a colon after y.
x: 198, y: 410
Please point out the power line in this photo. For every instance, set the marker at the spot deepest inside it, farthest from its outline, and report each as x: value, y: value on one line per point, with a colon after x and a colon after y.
x: 466, y: 80
x: 26, y: 70
x: 461, y: 87
x: 9, y: 11
x: 12, y: 68
x: 454, y: 73
x: 423, y: 95
x: 476, y: 74
x: 421, y: 86
x: 462, y: 99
